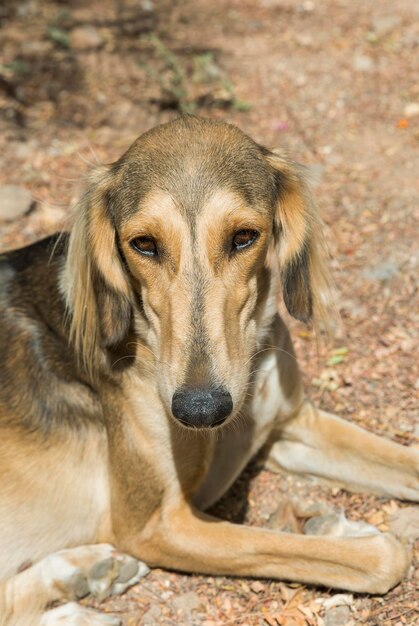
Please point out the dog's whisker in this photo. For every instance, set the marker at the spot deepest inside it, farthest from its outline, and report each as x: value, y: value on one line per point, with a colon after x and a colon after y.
x: 86, y: 161
x: 279, y: 349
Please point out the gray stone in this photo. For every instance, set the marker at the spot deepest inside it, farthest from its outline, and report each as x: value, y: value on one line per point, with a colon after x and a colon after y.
x: 187, y: 602
x: 86, y: 37
x: 354, y: 309
x: 382, y: 271
x: 35, y: 48
x: 384, y: 24
x: 24, y: 149
x: 14, y: 202
x: 337, y: 616
x: 363, y: 63
x: 411, y: 109
x: 26, y: 9
x: 147, y: 5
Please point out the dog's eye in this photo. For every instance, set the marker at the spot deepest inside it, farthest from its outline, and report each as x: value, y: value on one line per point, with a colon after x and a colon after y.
x: 244, y: 239
x: 145, y: 245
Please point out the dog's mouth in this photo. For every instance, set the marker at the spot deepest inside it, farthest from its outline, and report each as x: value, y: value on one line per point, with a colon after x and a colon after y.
x: 212, y: 426
x: 201, y: 407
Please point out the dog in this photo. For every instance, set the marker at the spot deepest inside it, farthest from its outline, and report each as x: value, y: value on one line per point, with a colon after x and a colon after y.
x: 131, y: 348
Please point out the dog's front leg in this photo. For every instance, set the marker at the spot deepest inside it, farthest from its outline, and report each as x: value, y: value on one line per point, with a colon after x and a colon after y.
x: 185, y: 540
x: 320, y: 444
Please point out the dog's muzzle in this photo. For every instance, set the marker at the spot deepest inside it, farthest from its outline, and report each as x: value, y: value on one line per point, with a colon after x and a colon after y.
x: 200, y: 407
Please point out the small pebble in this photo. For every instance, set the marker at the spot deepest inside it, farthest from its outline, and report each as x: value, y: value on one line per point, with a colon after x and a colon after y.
x: 14, y: 202
x: 411, y: 109
x: 384, y: 24
x: 382, y: 271
x: 257, y: 586
x: 363, y: 63
x: 86, y: 37
x: 187, y: 602
x: 338, y: 616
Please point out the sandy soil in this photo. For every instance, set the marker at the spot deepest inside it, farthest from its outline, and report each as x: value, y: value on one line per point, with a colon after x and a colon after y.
x: 335, y: 83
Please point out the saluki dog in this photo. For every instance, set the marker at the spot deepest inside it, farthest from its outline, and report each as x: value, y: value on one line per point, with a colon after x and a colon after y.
x: 144, y: 363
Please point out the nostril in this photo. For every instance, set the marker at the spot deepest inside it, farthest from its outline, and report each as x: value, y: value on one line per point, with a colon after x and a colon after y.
x: 224, y: 402
x: 201, y: 407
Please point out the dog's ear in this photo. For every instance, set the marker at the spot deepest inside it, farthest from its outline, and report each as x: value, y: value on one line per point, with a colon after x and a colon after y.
x: 95, y: 279
x: 299, y: 243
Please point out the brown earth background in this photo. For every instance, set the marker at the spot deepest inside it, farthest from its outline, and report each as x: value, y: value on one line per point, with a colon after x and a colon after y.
x: 335, y: 82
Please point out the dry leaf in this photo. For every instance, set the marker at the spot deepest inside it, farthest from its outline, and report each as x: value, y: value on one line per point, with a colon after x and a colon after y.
x: 315, y: 606
x: 305, y: 610
x: 391, y: 507
x: 340, y: 599
x: 293, y: 597
x: 291, y: 619
x: 285, y: 592
x: 337, y: 356
x: 257, y: 586
x: 376, y: 518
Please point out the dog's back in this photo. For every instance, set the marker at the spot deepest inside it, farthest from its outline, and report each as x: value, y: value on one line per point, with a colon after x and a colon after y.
x: 42, y: 386
x: 50, y: 419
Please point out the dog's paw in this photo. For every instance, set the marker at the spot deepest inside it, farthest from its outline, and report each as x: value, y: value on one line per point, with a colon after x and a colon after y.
x: 99, y: 570
x: 73, y: 614
x: 389, y: 562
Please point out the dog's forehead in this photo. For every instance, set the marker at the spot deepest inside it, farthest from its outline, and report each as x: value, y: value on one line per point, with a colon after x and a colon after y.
x: 191, y: 159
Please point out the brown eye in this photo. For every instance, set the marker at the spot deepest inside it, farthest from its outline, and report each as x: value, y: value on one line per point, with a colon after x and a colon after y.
x: 244, y: 239
x: 145, y: 245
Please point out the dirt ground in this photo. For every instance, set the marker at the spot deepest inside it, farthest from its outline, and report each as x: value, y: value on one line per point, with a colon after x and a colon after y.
x: 335, y: 83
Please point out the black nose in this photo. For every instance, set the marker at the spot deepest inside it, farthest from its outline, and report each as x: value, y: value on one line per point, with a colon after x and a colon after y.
x: 200, y: 407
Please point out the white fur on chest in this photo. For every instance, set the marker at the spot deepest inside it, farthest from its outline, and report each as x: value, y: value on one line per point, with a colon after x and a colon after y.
x: 266, y: 401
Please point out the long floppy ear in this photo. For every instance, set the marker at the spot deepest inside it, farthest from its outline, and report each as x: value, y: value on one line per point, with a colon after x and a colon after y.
x: 94, y: 281
x: 299, y: 244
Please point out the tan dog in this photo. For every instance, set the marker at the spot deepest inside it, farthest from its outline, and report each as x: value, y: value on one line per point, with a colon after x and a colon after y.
x: 130, y: 347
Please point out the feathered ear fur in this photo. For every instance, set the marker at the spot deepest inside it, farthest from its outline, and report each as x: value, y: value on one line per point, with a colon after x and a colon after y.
x: 299, y: 244
x: 94, y: 281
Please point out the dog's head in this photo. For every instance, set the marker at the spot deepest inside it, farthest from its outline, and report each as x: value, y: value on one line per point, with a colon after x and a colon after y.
x: 184, y: 243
